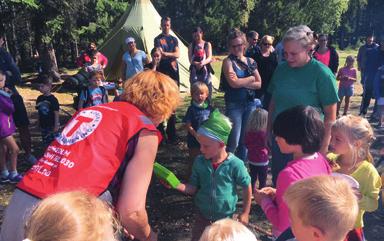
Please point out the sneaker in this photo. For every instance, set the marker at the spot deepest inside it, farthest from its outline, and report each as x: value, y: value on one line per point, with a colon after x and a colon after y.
x: 31, y: 159
x: 4, y: 179
x: 15, y: 179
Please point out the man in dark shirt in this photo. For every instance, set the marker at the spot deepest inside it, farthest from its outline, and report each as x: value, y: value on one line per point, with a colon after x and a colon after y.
x: 169, y: 48
x: 254, y: 49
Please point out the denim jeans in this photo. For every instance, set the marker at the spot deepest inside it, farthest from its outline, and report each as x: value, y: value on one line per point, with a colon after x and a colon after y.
x: 238, y: 113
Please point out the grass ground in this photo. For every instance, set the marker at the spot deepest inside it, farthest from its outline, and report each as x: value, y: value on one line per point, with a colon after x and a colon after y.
x: 169, y: 211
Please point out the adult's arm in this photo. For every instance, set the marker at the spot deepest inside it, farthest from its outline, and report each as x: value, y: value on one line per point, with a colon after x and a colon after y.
x: 132, y: 199
x: 190, y: 53
x: 335, y: 61
x: 329, y: 119
x: 11, y: 67
x: 271, y: 109
x: 175, y: 54
x: 360, y: 58
x: 123, y: 69
x: 251, y: 82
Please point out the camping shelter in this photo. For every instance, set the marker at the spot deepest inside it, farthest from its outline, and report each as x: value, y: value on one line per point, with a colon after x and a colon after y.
x: 141, y: 21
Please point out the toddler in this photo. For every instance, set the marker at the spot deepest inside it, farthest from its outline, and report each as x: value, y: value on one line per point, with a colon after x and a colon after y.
x: 48, y: 110
x: 8, y: 145
x: 255, y: 141
x: 347, y: 78
x: 94, y: 94
x: 227, y: 230
x: 351, y: 138
x: 330, y: 217
x: 215, y: 176
x: 299, y: 131
x: 71, y: 216
x: 197, y: 113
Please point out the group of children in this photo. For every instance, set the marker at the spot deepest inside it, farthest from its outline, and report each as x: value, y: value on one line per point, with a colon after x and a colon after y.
x: 299, y: 131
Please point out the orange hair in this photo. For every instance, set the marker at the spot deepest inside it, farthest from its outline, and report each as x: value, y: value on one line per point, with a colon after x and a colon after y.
x: 154, y: 93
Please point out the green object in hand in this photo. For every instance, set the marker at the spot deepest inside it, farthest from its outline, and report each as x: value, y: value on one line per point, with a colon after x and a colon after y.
x: 166, y: 175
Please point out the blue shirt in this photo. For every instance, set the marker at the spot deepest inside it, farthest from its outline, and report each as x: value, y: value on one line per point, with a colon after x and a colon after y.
x: 96, y: 96
x: 134, y: 64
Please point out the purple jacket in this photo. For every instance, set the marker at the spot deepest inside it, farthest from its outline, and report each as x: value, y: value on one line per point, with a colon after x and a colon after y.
x: 7, y: 127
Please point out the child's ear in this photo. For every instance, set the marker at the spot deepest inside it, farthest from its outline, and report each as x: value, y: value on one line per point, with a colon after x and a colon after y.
x: 317, y: 234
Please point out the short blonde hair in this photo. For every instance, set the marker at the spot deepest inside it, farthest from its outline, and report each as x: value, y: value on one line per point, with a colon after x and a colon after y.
x: 302, y: 34
x: 71, y: 216
x: 199, y: 86
x: 325, y: 202
x: 154, y: 93
x: 257, y: 120
x: 227, y: 230
x: 356, y: 128
x: 267, y: 39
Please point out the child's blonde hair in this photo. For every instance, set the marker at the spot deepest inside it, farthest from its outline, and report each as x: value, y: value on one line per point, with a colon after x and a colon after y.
x: 154, y: 93
x: 355, y: 129
x: 325, y: 202
x: 257, y: 120
x: 199, y: 86
x: 71, y: 216
x: 349, y: 58
x: 227, y: 230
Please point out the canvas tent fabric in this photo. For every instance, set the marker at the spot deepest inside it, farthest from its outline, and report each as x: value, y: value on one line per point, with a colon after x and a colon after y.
x: 142, y: 22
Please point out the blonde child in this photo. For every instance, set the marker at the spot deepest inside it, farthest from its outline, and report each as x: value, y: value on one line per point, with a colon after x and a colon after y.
x: 227, y: 230
x: 299, y: 131
x: 8, y: 145
x: 330, y: 217
x: 347, y: 77
x: 351, y: 138
x: 215, y: 176
x: 71, y: 216
x: 255, y: 141
x: 197, y: 113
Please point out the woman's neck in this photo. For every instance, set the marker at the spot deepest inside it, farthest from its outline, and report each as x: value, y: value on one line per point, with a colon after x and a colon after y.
x: 265, y: 52
x: 199, y: 41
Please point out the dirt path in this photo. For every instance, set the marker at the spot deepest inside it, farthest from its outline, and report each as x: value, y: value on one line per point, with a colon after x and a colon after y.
x: 171, y: 212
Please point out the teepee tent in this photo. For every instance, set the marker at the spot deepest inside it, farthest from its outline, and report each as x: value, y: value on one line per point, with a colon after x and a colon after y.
x: 142, y: 22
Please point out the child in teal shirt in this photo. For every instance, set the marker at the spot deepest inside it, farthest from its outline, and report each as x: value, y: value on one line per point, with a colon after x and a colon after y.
x: 215, y: 175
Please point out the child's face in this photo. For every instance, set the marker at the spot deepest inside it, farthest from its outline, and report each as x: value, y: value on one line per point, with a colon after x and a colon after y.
x: 350, y: 62
x: 95, y: 81
x: 2, y: 81
x: 339, y: 142
x: 156, y: 56
x: 208, y: 147
x: 283, y: 145
x: 44, y: 89
x: 199, y: 96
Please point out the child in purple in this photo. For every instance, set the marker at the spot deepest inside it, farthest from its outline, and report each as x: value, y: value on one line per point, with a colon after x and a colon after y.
x: 8, y: 146
x: 299, y: 131
x: 347, y: 77
x: 255, y: 141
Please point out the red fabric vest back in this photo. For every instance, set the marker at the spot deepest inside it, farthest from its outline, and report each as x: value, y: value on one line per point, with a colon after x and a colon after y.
x: 88, y: 152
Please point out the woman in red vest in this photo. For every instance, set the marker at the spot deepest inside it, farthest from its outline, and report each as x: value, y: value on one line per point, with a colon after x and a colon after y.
x: 107, y: 150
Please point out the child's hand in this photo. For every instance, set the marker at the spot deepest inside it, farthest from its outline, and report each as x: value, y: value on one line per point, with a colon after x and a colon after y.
x: 259, y: 195
x: 165, y: 184
x: 242, y: 218
x: 270, y: 191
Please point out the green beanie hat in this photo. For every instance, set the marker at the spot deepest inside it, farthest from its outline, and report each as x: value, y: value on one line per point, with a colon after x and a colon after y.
x: 216, y: 127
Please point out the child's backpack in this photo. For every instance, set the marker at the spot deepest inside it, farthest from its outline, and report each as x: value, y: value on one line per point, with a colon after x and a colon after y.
x: 88, y: 98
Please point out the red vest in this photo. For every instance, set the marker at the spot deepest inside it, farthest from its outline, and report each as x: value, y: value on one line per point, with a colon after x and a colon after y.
x: 88, y: 152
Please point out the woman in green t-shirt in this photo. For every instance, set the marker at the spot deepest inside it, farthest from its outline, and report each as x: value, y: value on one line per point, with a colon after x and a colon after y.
x: 300, y: 80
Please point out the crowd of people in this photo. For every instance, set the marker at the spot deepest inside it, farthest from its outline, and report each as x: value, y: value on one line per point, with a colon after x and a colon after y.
x: 281, y: 111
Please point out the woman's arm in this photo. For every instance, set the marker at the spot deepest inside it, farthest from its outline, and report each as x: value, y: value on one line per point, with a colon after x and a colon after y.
x: 271, y: 109
x: 329, y: 119
x: 190, y: 53
x: 257, y: 83
x: 232, y: 78
x: 132, y: 199
x: 208, y: 58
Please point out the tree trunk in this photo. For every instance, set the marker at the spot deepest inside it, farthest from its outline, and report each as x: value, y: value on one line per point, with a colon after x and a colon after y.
x: 49, y: 62
x: 15, y: 49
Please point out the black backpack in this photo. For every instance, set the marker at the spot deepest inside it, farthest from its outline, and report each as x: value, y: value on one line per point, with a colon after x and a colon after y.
x: 87, y: 94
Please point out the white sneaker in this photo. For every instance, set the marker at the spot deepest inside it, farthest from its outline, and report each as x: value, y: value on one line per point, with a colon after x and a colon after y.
x: 31, y: 159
